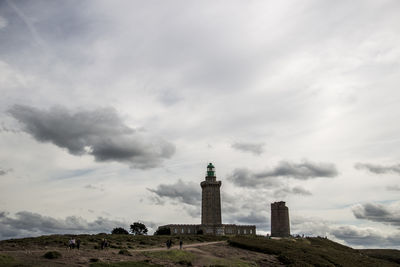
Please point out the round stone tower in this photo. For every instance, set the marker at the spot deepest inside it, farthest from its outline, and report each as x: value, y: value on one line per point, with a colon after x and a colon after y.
x: 280, y: 226
x: 211, y: 199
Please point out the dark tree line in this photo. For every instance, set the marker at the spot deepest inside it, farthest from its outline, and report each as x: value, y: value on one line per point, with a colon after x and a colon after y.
x: 136, y: 228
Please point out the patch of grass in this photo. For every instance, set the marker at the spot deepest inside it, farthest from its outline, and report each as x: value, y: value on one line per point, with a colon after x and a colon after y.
x: 308, y: 252
x: 124, y: 264
x: 7, y: 261
x: 173, y: 255
x: 392, y: 255
x: 232, y: 262
x: 52, y: 255
x: 115, y: 241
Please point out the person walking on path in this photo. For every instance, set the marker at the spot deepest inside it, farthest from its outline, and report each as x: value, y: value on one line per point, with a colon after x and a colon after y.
x: 104, y: 243
x: 78, y: 243
x: 180, y: 244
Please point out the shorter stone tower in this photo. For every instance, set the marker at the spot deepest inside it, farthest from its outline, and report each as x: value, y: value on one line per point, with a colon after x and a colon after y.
x: 280, y: 226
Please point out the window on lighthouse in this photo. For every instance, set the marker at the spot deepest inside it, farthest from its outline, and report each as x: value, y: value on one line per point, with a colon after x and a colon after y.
x: 210, y: 170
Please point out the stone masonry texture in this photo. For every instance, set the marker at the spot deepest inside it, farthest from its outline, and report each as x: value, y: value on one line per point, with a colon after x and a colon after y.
x: 280, y: 226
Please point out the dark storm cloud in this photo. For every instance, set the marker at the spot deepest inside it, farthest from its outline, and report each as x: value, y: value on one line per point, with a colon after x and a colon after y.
x: 26, y: 223
x: 297, y: 190
x: 188, y: 193
x: 378, y: 169
x: 100, y: 133
x: 377, y: 213
x: 254, y: 148
x: 246, y: 178
x: 252, y: 218
x: 301, y: 171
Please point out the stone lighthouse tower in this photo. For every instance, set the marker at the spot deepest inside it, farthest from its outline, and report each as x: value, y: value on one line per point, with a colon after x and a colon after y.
x: 280, y: 226
x: 211, y: 199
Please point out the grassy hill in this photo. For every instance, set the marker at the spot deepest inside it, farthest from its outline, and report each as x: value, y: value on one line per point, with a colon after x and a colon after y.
x: 129, y: 250
x: 317, y: 252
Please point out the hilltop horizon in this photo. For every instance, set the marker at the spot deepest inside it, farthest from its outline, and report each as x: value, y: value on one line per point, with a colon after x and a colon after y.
x: 110, y: 112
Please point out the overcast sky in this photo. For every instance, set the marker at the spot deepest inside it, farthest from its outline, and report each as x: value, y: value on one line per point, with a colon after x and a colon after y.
x: 110, y: 112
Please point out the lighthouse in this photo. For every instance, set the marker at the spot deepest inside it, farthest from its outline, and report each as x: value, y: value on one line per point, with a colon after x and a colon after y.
x: 211, y: 198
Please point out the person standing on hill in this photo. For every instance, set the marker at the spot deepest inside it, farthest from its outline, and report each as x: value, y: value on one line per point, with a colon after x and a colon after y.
x: 70, y: 243
x: 78, y: 243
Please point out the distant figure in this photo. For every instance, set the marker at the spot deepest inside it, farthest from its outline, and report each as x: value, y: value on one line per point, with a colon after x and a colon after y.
x: 180, y: 244
x: 78, y: 243
x: 71, y: 243
x: 169, y: 243
x: 104, y: 243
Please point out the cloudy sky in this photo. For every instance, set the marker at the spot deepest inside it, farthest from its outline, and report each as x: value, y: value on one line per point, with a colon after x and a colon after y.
x: 110, y: 112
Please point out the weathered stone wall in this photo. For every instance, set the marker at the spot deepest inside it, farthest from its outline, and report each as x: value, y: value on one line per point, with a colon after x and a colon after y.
x: 233, y: 229
x: 223, y: 229
x: 280, y: 226
x: 182, y: 229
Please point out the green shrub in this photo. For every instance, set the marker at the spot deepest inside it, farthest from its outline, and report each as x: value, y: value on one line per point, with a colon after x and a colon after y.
x: 119, y: 231
x: 52, y: 255
x: 185, y: 262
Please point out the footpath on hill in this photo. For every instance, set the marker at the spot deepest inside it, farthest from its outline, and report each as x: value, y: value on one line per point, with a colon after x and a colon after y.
x: 177, y: 246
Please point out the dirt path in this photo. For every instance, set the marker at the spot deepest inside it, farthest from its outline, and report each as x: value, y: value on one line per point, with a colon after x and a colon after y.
x: 177, y: 246
x: 30, y: 251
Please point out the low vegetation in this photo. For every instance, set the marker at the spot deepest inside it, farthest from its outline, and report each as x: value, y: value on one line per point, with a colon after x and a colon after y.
x: 115, y: 241
x: 128, y: 250
x: 52, y: 255
x: 125, y: 264
x: 124, y: 252
x: 175, y: 256
x: 392, y: 255
x: 119, y: 231
x: 8, y: 261
x: 309, y: 252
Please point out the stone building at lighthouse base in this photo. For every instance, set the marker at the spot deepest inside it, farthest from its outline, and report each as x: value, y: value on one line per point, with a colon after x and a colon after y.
x: 223, y: 229
x: 211, y: 223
